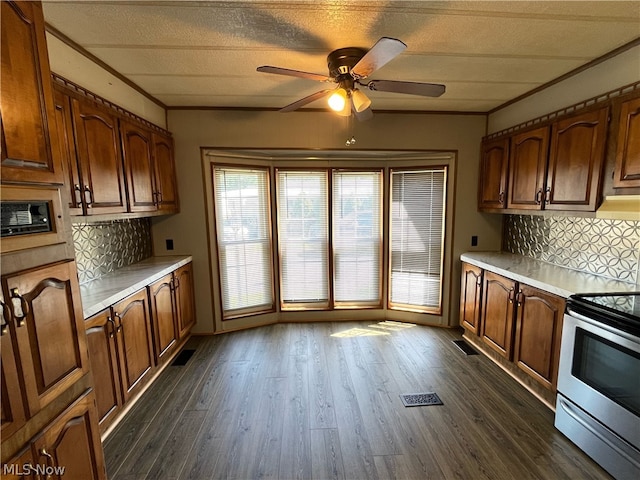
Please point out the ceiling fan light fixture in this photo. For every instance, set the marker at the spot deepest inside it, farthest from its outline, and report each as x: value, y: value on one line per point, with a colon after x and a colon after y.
x: 360, y: 101
x: 338, y: 100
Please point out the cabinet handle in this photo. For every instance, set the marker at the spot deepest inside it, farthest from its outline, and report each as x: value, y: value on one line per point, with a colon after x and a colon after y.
x: 113, y: 327
x: 20, y: 307
x: 501, y: 198
x: 159, y: 197
x: 78, y: 194
x: 520, y: 298
x: 119, y: 328
x: 547, y: 196
x: 539, y: 196
x: 50, y: 461
x: 88, y: 196
x: 479, y: 281
x: 4, y: 318
x: 511, y: 295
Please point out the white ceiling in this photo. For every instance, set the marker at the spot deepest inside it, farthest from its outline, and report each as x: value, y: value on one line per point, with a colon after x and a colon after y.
x: 188, y: 53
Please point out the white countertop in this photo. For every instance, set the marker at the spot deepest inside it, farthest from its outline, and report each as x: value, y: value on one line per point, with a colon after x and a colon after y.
x: 545, y: 276
x: 103, y: 292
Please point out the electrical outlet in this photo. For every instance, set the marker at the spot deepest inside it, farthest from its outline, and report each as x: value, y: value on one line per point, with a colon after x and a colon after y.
x: 474, y: 241
x: 169, y: 242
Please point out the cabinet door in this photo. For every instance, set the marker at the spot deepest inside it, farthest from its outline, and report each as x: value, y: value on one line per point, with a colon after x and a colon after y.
x: 527, y: 169
x: 101, y: 343
x: 497, y: 313
x: 165, y: 173
x: 627, y: 171
x: 164, y: 315
x: 51, y: 341
x: 136, y: 147
x: 70, y: 445
x: 98, y: 151
x: 26, y: 97
x: 470, y: 297
x: 135, y: 351
x: 185, y: 301
x: 538, y: 332
x: 492, y: 191
x: 66, y: 145
x: 575, y: 162
x: 13, y: 414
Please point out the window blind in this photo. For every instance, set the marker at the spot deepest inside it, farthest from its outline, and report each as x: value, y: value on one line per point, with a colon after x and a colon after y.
x: 303, y: 236
x: 244, y: 239
x: 357, y: 237
x: 417, y: 234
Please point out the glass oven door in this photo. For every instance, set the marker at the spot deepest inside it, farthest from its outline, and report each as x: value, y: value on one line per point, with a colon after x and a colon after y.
x: 600, y: 372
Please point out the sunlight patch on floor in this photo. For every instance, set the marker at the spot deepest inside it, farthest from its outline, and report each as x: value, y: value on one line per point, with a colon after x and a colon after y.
x: 377, y: 329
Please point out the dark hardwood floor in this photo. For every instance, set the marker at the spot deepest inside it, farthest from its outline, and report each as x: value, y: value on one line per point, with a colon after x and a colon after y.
x: 322, y: 401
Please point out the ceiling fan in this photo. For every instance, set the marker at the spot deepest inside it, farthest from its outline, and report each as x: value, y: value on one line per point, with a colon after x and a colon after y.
x: 349, y: 67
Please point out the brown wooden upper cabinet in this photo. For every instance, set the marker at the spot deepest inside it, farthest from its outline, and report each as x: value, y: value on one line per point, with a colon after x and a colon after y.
x: 138, y: 163
x: 576, y: 160
x: 493, y: 174
x: 527, y: 169
x: 102, y: 186
x: 627, y: 170
x: 166, y: 190
x: 26, y: 97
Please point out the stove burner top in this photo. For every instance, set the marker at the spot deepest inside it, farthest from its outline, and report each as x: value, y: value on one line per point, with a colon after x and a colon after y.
x: 620, y: 310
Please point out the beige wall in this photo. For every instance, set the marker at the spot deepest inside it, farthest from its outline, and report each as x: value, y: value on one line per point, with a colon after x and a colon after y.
x: 621, y: 70
x: 193, y: 129
x: 70, y: 64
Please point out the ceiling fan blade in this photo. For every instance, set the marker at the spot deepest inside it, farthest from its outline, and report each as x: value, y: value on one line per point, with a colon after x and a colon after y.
x: 364, y: 115
x: 294, y: 73
x: 385, y: 50
x: 412, y: 88
x: 303, y: 101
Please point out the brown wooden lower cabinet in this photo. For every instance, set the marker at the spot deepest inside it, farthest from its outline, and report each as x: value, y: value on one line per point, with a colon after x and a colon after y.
x: 70, y: 446
x: 20, y: 467
x: 498, y: 313
x: 13, y: 408
x: 101, y: 342
x: 520, y: 323
x: 164, y: 315
x: 133, y: 337
x: 538, y: 331
x: 470, y: 297
x: 185, y: 299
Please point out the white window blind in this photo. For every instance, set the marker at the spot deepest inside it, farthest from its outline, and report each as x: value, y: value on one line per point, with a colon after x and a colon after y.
x: 303, y: 237
x: 244, y: 239
x: 417, y: 236
x: 357, y: 237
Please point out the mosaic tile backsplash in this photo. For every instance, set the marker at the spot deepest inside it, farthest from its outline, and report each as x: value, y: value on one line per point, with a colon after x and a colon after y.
x: 610, y: 248
x: 104, y: 247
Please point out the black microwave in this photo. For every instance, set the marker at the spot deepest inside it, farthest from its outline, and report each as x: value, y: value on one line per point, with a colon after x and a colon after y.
x: 22, y: 218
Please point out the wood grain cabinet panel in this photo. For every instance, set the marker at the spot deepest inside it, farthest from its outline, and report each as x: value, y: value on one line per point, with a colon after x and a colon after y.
x: 492, y: 192
x: 72, y: 442
x: 165, y: 173
x: 101, y: 343
x: 18, y: 468
x: 576, y: 160
x: 100, y: 161
x: 65, y: 143
x: 135, y: 350
x: 51, y: 341
x: 164, y: 315
x: 136, y: 147
x: 627, y: 170
x: 26, y: 97
x: 13, y: 411
x: 498, y: 313
x: 185, y: 300
x: 470, y: 298
x: 538, y: 332
x: 527, y: 169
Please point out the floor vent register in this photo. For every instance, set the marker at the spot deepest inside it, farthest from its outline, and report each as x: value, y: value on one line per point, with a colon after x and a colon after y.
x: 420, y: 399
x: 182, y: 358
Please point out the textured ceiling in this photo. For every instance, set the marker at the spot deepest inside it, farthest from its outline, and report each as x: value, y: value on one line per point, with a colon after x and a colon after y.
x: 188, y: 53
